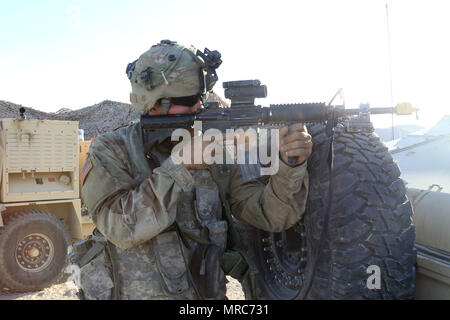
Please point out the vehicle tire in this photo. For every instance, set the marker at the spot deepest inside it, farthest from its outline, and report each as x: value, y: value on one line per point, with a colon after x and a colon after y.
x: 330, y: 254
x: 33, y: 251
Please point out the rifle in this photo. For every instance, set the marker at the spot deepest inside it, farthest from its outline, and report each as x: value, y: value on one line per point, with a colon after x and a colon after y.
x: 244, y: 113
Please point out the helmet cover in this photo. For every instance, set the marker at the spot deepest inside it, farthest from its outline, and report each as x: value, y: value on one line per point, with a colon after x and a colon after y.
x: 167, y: 70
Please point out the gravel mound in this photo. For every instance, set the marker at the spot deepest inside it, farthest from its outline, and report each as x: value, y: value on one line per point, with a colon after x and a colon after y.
x: 94, y: 120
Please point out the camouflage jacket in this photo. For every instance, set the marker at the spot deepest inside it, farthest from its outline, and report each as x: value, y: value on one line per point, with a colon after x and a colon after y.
x: 130, y: 203
x: 134, y: 198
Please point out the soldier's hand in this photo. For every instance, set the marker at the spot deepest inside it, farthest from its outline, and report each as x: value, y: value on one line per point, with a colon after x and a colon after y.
x: 295, y: 142
x: 199, y: 155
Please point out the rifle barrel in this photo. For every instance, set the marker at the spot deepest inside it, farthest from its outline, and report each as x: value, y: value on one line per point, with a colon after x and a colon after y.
x: 350, y: 112
x: 250, y: 116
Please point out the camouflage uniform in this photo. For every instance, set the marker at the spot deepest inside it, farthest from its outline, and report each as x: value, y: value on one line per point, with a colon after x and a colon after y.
x: 155, y: 214
x: 131, y: 205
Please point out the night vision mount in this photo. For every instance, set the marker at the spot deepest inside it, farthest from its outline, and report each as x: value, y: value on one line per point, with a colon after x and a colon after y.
x: 212, y: 61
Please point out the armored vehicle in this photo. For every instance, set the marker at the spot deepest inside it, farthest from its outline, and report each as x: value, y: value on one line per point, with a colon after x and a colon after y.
x: 423, y: 157
x: 40, y: 208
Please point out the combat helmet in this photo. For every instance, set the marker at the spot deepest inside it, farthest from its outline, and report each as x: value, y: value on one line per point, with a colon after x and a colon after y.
x: 169, y: 70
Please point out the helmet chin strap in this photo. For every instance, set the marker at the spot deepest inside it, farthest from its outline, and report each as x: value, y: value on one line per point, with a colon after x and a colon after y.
x: 203, y: 72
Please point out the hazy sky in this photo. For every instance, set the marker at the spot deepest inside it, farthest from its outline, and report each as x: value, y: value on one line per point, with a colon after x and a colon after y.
x: 73, y: 54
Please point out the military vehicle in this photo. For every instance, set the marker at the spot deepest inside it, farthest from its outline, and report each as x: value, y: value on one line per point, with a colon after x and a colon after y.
x: 423, y: 158
x: 40, y: 208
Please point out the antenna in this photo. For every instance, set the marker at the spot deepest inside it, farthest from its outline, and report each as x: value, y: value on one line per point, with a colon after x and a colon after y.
x: 390, y: 66
x: 22, y: 113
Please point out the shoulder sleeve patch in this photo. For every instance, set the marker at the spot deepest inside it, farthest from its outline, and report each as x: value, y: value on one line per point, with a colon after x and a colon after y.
x: 86, y: 169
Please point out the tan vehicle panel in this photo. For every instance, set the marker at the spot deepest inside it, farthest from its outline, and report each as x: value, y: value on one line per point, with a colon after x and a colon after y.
x: 82, y: 152
x: 39, y: 160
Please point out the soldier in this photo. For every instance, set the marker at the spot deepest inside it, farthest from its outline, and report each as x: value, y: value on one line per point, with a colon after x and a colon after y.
x: 161, y: 228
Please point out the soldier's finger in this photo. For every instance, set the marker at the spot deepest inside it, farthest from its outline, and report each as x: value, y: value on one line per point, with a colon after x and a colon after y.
x: 283, y: 131
x: 302, y: 136
x: 300, y: 152
x: 297, y: 127
x: 296, y: 144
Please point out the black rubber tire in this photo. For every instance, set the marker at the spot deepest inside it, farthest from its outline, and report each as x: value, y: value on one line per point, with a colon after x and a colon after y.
x: 369, y: 223
x: 26, y: 226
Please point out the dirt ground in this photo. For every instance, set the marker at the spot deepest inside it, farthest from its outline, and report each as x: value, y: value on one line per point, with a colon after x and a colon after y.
x: 67, y: 291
